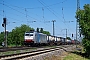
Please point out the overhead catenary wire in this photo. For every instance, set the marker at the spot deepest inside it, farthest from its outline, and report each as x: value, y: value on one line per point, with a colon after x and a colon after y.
x: 50, y: 5
x: 20, y: 12
x: 4, y: 15
x: 51, y: 10
x: 54, y: 12
x: 26, y: 15
x: 3, y: 9
x: 43, y: 12
x: 63, y: 16
x: 12, y: 19
x: 23, y: 8
x: 63, y: 13
x: 48, y: 9
x: 43, y: 17
x: 34, y: 7
x: 17, y: 11
x: 40, y: 8
x: 14, y: 9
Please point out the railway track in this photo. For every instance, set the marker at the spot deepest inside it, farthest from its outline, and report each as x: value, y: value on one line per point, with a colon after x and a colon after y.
x: 39, y: 51
x: 17, y: 48
x: 13, y: 49
x: 4, y: 49
x: 28, y: 54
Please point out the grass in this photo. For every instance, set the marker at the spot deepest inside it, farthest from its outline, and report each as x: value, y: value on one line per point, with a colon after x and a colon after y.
x: 63, y: 56
x: 56, y: 57
x: 67, y: 56
x: 72, y: 56
x: 15, y: 52
x: 19, y: 51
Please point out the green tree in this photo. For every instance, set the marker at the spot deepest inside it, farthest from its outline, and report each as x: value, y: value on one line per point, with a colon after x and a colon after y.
x: 83, y: 16
x: 16, y: 37
x: 1, y: 37
x: 9, y: 38
x: 42, y: 31
x: 46, y: 32
x: 68, y: 38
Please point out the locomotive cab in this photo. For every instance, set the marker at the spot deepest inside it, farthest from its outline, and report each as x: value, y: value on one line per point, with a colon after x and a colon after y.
x: 28, y: 38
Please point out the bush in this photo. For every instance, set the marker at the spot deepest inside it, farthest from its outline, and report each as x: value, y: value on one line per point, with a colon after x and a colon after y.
x: 86, y: 44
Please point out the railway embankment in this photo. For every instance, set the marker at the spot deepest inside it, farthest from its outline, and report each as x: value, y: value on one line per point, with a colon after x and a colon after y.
x: 42, y: 53
x: 59, y: 52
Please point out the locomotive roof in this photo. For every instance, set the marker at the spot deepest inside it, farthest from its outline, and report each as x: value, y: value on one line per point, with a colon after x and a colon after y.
x: 35, y: 32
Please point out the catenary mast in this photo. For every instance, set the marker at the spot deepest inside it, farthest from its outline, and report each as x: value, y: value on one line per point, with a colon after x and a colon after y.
x: 77, y: 23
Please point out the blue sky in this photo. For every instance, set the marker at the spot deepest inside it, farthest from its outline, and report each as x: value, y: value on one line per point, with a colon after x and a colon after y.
x: 43, y: 12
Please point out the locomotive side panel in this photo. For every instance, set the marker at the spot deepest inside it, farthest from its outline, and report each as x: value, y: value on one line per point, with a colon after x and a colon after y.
x: 43, y: 38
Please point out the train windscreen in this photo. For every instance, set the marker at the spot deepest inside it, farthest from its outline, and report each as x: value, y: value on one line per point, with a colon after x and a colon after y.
x: 26, y: 34
x: 29, y: 34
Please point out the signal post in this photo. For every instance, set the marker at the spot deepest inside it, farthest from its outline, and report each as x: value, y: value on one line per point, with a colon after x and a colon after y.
x: 5, y: 36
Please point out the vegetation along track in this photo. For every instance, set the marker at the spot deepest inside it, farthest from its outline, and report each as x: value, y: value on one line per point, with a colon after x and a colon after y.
x: 4, y: 49
x: 29, y: 54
